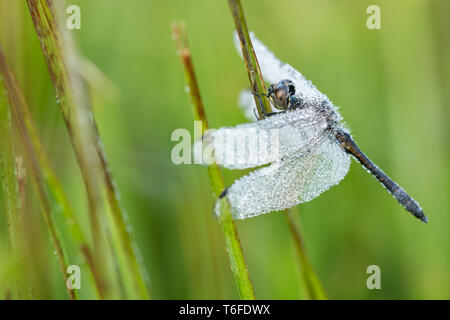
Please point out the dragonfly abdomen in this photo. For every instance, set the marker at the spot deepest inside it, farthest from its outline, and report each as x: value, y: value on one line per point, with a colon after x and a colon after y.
x: 399, y: 194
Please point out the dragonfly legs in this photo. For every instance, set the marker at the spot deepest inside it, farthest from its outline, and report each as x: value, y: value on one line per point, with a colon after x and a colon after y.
x: 223, y: 193
x: 261, y: 105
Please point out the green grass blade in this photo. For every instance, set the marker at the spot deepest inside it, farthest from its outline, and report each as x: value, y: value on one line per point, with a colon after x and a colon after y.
x: 11, y: 196
x: 87, y: 145
x: 312, y: 283
x: 57, y: 196
x: 37, y: 175
x: 8, y: 180
x: 232, y: 242
x: 311, y: 280
x: 250, y: 59
x: 68, y: 100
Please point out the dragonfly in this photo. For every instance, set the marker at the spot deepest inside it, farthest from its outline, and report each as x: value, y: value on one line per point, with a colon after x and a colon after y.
x: 314, y: 146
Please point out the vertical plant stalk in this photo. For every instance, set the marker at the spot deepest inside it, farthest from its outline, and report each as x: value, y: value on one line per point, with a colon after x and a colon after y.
x: 8, y: 180
x: 248, y: 53
x: 21, y: 185
x: 132, y: 259
x: 57, y: 196
x: 312, y: 283
x: 25, y: 278
x: 232, y: 242
x: 61, y: 253
x: 68, y: 100
x: 10, y: 188
x: 86, y: 138
x: 310, y: 278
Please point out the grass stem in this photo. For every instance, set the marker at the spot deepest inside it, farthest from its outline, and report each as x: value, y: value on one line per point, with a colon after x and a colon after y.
x: 232, y: 242
x: 60, y: 251
x: 251, y: 62
x: 310, y: 278
x: 87, y: 144
x: 11, y: 189
x: 57, y: 196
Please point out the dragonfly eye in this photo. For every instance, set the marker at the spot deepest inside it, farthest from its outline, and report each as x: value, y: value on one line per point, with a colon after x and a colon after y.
x: 279, y: 94
x: 291, y: 89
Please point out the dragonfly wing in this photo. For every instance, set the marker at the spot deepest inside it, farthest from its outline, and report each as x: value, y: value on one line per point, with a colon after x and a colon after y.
x: 270, y: 140
x: 274, y: 70
x: 294, y: 180
x: 247, y: 104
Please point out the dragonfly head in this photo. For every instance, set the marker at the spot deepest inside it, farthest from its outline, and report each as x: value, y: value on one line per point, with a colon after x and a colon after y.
x: 280, y: 93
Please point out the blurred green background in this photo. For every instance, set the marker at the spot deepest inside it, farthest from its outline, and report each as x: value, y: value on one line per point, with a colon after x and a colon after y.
x: 393, y: 86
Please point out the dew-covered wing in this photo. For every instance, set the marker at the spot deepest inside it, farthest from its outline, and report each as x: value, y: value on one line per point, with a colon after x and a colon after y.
x: 294, y: 180
x: 270, y: 140
x: 274, y: 70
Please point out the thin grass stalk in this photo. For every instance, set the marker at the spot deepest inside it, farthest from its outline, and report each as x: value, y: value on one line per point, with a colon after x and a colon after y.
x: 8, y: 180
x: 67, y: 99
x: 72, y: 103
x: 126, y: 241
x: 313, y: 285
x: 66, y: 87
x: 120, y: 218
x: 25, y: 278
x: 37, y: 175
x: 21, y: 177
x: 251, y: 62
x: 11, y: 196
x: 311, y: 280
x: 232, y: 242
x: 57, y: 195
